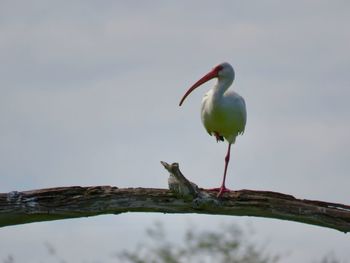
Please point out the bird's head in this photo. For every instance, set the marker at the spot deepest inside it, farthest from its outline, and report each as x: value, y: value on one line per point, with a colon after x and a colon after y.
x: 221, y: 71
x: 225, y: 71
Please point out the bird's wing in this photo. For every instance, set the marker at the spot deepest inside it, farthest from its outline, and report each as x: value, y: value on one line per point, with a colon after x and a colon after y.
x: 236, y: 112
x: 243, y: 116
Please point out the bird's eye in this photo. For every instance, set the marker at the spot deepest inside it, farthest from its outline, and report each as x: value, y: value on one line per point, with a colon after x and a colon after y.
x: 218, y: 68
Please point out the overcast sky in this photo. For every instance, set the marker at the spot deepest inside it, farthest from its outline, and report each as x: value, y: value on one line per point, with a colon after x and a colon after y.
x: 90, y: 93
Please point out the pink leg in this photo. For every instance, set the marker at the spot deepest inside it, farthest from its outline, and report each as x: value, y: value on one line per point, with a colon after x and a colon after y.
x: 223, y: 188
x: 227, y: 159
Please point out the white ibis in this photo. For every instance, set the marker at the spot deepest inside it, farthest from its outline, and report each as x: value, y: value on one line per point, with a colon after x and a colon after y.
x: 223, y: 111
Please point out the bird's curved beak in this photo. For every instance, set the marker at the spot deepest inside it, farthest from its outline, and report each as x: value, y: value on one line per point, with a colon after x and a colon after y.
x: 212, y: 74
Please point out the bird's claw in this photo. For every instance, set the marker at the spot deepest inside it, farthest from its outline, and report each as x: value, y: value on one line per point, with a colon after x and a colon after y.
x: 218, y: 137
x: 220, y: 190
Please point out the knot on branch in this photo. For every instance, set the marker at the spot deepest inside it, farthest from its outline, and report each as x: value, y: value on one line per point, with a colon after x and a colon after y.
x: 178, y: 183
x: 19, y: 200
x: 186, y: 189
x: 14, y: 197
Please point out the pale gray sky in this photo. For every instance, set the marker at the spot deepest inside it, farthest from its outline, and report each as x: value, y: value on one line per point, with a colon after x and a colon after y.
x: 88, y: 89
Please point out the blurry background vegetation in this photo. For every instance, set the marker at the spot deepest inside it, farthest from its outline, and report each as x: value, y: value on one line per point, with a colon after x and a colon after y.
x: 229, y: 244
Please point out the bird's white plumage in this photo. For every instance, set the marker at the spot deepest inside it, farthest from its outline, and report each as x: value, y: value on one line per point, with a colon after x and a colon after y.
x: 224, y: 111
x: 225, y: 115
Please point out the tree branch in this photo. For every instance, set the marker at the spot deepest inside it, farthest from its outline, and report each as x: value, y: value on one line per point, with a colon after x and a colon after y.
x: 183, y: 197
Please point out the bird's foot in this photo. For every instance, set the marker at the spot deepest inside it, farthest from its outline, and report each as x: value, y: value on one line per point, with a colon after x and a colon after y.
x: 218, y: 137
x: 220, y: 190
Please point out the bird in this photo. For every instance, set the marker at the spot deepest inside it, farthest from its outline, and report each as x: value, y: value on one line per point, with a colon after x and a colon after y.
x: 223, y: 111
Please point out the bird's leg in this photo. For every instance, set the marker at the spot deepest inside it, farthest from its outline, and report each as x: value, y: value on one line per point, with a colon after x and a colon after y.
x: 223, y: 188
x: 227, y: 159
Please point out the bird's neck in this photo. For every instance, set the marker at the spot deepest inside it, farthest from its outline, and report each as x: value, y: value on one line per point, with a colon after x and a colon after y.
x: 222, y: 86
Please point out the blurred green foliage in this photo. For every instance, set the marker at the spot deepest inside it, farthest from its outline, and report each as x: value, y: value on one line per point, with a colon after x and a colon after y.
x: 227, y: 245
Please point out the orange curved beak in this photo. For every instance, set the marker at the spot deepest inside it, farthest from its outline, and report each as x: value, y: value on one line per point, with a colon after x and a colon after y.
x: 212, y: 74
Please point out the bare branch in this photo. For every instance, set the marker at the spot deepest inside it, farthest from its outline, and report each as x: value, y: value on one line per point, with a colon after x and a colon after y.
x: 184, y: 197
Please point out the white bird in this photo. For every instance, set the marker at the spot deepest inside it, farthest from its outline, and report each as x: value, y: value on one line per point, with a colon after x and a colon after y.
x: 223, y: 111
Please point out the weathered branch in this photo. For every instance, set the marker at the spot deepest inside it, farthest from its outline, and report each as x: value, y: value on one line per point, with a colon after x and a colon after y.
x: 183, y: 197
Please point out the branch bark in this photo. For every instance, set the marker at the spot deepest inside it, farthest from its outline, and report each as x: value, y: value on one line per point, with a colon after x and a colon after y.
x: 183, y: 197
